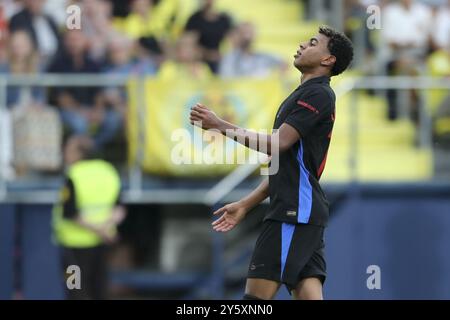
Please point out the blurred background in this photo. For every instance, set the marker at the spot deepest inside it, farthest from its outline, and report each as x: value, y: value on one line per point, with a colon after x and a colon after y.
x: 124, y: 82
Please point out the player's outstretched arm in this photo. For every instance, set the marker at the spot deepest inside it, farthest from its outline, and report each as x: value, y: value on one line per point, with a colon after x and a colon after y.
x: 268, y: 144
x: 235, y: 212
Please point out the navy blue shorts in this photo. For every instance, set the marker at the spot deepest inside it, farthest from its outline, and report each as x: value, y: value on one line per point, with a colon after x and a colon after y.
x: 288, y: 253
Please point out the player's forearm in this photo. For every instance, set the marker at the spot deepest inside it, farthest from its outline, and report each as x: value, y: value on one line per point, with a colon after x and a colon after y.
x: 252, y: 140
x: 256, y: 196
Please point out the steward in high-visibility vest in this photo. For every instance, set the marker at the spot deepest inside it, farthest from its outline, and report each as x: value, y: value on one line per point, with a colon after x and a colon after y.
x: 96, y: 185
x: 85, y: 220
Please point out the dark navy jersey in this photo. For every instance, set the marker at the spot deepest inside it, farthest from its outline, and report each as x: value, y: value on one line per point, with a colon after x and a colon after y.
x: 295, y: 193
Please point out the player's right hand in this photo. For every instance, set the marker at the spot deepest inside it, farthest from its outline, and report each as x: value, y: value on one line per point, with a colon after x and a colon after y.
x: 205, y: 118
x: 232, y: 214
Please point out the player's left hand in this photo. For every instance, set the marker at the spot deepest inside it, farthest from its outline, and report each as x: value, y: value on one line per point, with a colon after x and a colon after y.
x: 203, y: 117
x: 232, y: 215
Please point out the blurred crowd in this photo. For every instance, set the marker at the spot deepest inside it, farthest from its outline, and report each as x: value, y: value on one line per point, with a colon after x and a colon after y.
x: 163, y: 38
x: 136, y: 37
x: 414, y: 40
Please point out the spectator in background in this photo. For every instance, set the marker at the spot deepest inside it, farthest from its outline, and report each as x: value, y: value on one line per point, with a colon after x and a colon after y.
x: 97, y: 26
x: 142, y: 22
x: 41, y: 27
x: 36, y: 127
x: 406, y: 35
x: 82, y: 108
x: 146, y: 23
x: 122, y: 63
x: 211, y: 27
x: 22, y: 59
x: 243, y: 61
x: 148, y: 49
x: 406, y: 29
x: 186, y: 63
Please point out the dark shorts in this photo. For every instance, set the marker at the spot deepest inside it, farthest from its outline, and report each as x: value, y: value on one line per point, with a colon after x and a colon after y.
x: 288, y: 253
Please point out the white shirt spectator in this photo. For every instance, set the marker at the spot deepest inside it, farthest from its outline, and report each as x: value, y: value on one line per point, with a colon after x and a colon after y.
x: 404, y: 26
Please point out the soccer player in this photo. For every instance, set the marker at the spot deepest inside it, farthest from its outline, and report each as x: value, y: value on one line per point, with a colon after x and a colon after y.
x: 290, y: 248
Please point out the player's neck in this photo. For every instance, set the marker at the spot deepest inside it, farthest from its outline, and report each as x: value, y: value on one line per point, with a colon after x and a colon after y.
x: 308, y: 76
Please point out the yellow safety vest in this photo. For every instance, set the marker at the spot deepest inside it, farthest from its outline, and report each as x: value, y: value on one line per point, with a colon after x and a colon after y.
x: 97, y: 187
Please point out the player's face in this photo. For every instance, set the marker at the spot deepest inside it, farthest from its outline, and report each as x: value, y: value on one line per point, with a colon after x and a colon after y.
x: 311, y: 53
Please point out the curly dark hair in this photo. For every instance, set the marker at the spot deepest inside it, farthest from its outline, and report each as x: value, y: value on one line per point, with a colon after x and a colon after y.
x: 339, y: 46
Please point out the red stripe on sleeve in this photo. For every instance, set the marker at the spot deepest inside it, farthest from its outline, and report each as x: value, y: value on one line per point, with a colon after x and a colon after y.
x: 322, y: 166
x: 307, y: 106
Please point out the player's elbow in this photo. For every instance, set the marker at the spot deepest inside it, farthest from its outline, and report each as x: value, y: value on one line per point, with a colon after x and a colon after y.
x: 276, y: 146
x: 283, y: 146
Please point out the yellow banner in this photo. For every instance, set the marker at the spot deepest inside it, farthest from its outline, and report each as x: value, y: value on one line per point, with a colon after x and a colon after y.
x: 162, y: 140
